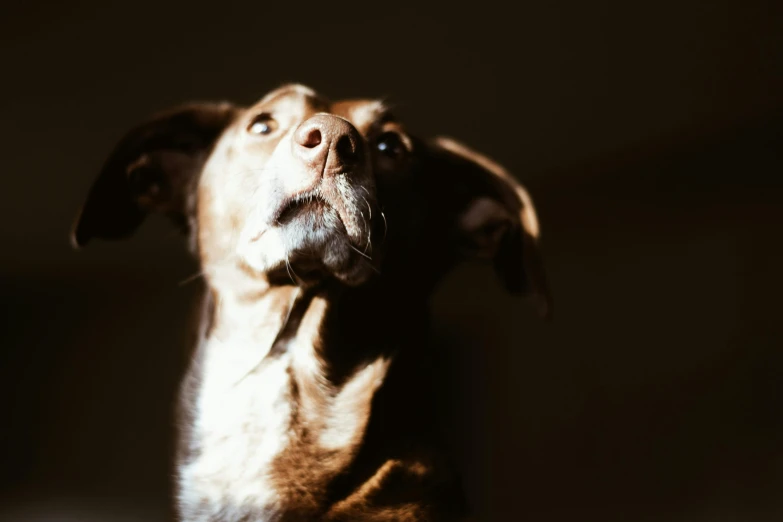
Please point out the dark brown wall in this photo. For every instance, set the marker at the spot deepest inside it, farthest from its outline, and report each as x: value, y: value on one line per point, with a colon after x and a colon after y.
x: 651, y: 137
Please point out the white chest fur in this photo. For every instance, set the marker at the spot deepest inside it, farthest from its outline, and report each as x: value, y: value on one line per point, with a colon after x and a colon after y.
x: 244, y: 410
x: 242, y: 422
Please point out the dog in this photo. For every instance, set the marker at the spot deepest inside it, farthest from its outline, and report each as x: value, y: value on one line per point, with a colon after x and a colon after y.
x: 322, y: 229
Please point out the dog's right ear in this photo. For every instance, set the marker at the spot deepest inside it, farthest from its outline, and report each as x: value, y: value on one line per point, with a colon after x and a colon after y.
x: 153, y: 168
x: 495, y: 218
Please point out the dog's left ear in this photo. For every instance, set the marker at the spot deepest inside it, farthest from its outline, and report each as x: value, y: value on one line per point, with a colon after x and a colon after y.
x: 496, y: 220
x: 152, y: 169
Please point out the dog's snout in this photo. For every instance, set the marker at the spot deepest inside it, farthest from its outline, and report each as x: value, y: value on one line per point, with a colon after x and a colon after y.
x: 327, y: 142
x: 308, y: 137
x: 346, y: 148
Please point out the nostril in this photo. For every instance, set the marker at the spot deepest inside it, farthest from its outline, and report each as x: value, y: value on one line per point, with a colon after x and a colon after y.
x: 345, y: 148
x: 311, y: 138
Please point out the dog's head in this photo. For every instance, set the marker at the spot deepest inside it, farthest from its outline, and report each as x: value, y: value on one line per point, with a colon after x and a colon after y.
x: 300, y: 188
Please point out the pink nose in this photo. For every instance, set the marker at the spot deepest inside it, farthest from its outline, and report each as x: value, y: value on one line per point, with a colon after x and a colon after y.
x: 327, y: 143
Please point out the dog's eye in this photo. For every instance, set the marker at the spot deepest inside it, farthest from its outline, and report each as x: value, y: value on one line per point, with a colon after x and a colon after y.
x: 390, y: 144
x: 262, y: 124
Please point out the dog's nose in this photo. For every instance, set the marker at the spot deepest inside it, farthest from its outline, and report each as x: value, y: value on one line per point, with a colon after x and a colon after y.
x: 327, y: 143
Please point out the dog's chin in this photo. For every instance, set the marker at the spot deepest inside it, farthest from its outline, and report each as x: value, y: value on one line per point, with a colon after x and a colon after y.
x: 308, y: 246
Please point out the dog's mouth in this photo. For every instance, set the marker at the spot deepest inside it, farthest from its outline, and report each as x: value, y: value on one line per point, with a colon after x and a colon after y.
x: 312, y: 202
x: 324, y: 231
x: 326, y: 209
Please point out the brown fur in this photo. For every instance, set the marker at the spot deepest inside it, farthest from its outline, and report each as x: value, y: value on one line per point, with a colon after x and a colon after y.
x: 347, y: 430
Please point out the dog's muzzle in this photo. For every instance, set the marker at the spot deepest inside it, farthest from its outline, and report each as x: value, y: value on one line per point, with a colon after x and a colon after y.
x: 318, y: 199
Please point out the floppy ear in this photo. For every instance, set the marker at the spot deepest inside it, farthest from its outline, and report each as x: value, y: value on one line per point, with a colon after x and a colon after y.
x: 153, y: 168
x: 496, y: 220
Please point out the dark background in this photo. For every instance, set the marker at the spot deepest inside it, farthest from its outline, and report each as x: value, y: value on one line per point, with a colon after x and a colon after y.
x: 649, y: 133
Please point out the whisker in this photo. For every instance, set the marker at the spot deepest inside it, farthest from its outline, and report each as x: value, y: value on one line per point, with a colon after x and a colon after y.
x: 369, y: 208
x: 372, y: 266
x: 192, y: 278
x: 289, y: 269
x: 259, y: 235
x: 202, y: 273
x: 358, y: 251
x: 367, y: 228
x: 385, y: 226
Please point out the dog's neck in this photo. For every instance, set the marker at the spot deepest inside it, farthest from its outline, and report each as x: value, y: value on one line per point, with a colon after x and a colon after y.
x: 331, y: 330
x: 311, y: 361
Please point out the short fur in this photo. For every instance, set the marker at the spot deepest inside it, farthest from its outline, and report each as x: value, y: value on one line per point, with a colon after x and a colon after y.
x: 322, y: 229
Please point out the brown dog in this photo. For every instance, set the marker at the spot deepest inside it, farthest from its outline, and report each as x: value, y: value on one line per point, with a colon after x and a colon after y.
x: 322, y: 229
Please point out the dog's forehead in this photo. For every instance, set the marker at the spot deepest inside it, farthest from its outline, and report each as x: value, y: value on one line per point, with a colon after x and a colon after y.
x: 362, y: 112
x: 292, y: 94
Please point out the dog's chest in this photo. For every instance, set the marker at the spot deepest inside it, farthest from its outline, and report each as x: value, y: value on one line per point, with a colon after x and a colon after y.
x: 269, y: 431
x: 242, y: 423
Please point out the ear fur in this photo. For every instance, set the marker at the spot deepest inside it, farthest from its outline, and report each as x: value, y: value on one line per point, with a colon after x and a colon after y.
x: 501, y: 224
x: 154, y: 167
